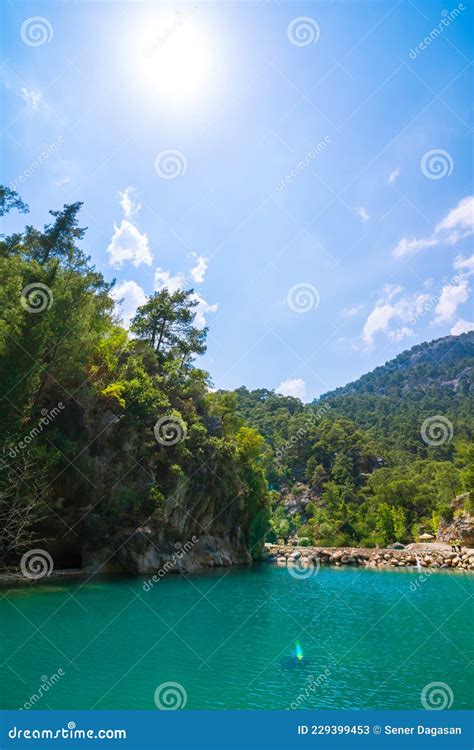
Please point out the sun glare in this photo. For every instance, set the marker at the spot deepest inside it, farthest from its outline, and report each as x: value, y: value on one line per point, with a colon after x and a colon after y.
x: 175, y: 59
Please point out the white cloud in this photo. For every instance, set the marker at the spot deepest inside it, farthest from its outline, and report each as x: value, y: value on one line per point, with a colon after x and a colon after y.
x: 456, y: 225
x: 400, y: 333
x: 362, y: 213
x: 410, y: 247
x: 129, y: 202
x: 452, y: 295
x: 388, y: 310
x: 395, y: 306
x: 464, y: 264
x: 63, y: 181
x: 203, y: 307
x: 377, y: 321
x: 131, y: 296
x: 459, y: 223
x: 292, y: 387
x: 461, y: 326
x: 129, y: 244
x: 391, y: 290
x: 351, y: 312
x: 163, y: 279
x: 394, y: 175
x: 182, y: 280
x: 198, y: 271
x: 31, y: 97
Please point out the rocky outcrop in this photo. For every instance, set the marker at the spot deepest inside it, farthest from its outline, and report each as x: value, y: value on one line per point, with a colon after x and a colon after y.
x: 142, y: 551
x: 370, y: 558
x: 295, y: 502
x: 462, y: 526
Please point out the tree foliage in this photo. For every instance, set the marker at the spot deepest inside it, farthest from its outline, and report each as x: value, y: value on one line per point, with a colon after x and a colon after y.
x: 101, y: 452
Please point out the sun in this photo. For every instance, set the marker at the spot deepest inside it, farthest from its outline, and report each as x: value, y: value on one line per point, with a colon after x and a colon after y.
x: 175, y: 58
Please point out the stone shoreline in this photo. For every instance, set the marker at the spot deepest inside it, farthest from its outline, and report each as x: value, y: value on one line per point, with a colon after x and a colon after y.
x: 370, y: 558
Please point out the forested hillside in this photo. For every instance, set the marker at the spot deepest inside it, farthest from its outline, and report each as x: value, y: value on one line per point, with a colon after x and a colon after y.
x: 379, y: 460
x: 393, y: 400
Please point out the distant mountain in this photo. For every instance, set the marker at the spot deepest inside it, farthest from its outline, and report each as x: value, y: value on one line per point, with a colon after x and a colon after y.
x: 392, y: 401
x: 445, y: 362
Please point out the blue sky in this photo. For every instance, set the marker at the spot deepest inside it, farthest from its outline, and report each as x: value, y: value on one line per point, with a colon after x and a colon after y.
x: 306, y: 167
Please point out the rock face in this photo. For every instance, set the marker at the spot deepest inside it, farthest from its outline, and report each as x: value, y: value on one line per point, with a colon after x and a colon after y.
x: 462, y: 527
x: 141, y: 551
x: 198, y: 519
x: 370, y: 558
x: 295, y: 502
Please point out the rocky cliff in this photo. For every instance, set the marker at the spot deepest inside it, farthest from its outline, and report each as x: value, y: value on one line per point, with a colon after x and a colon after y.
x: 126, y: 507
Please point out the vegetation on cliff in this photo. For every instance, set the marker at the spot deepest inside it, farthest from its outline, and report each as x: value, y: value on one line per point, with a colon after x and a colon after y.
x: 99, y: 422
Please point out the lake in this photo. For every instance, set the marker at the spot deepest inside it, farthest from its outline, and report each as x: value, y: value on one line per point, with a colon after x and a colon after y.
x: 239, y: 638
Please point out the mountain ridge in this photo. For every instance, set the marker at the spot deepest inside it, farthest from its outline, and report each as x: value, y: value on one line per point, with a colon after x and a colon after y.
x: 418, y: 355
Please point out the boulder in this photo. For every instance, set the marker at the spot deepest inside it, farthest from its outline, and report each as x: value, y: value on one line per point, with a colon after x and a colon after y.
x: 294, y: 556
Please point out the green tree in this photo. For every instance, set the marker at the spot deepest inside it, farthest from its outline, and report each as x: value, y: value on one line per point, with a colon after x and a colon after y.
x: 166, y: 322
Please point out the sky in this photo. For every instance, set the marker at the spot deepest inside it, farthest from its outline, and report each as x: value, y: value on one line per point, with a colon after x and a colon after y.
x: 306, y: 168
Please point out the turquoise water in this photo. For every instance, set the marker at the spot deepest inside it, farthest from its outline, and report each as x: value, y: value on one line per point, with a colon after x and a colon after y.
x: 368, y: 639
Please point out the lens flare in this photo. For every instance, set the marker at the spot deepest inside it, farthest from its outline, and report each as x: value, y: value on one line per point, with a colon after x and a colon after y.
x: 298, y: 651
